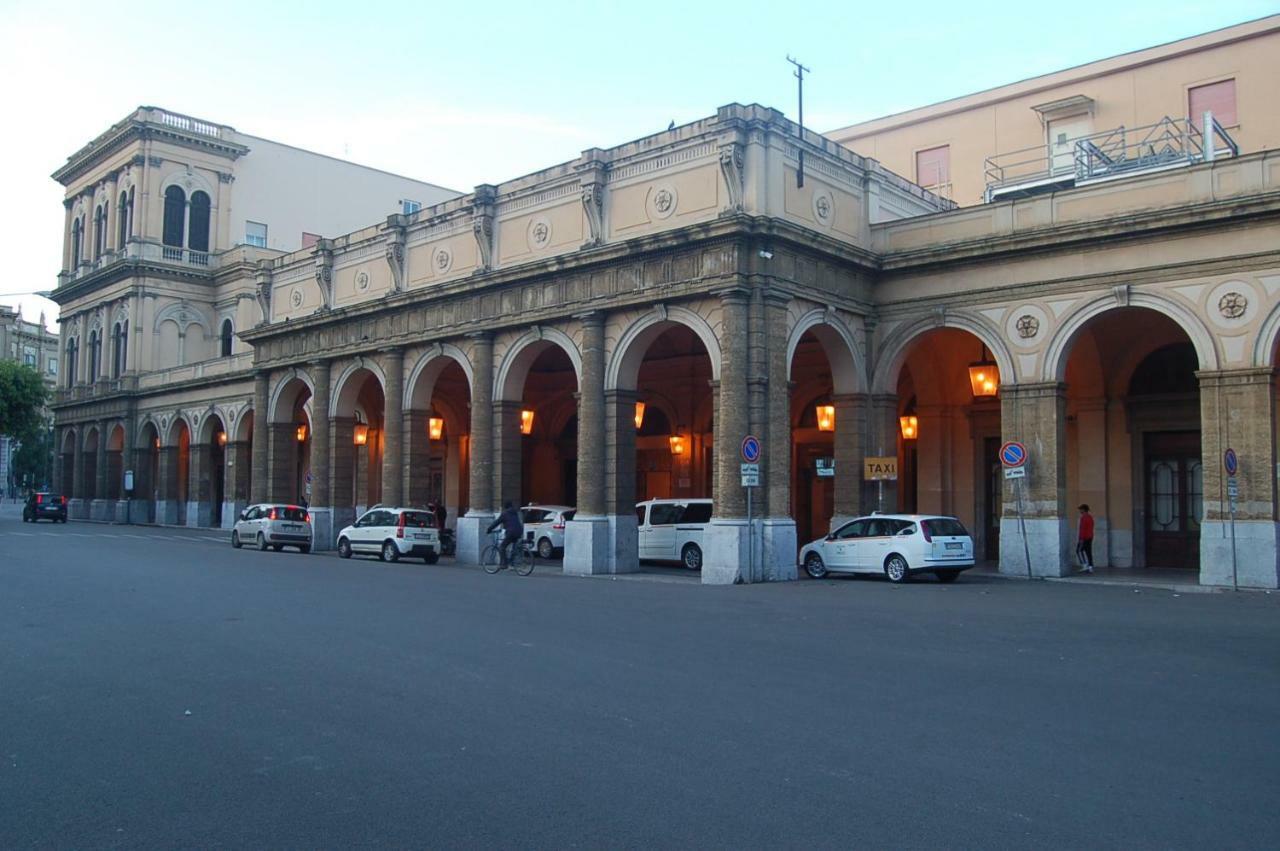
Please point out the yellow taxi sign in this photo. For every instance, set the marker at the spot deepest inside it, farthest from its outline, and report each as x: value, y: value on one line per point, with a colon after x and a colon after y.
x: 875, y: 469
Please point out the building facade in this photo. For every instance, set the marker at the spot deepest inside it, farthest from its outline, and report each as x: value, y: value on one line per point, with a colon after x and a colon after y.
x: 32, y: 344
x: 1025, y: 135
x: 612, y: 328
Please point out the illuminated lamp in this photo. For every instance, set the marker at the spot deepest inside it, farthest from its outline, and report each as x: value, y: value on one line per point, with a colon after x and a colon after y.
x: 301, y: 432
x: 435, y: 427
x: 221, y: 438
x: 826, y: 417
x: 360, y: 434
x: 984, y: 377
x: 639, y: 415
x: 157, y: 444
x: 910, y: 424
x: 677, y: 444
x: 526, y: 422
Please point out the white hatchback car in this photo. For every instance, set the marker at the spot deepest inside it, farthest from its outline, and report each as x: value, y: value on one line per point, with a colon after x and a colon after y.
x: 275, y: 525
x: 896, y: 545
x: 672, y: 529
x: 390, y: 533
x: 544, y: 527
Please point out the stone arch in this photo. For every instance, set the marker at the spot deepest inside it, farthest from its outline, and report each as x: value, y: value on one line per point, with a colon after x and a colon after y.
x: 69, y: 439
x: 91, y: 432
x: 1264, y: 346
x: 113, y: 431
x: 508, y: 384
x: 188, y: 181
x: 421, y: 380
x: 148, y: 432
x: 175, y: 430
x: 1058, y: 351
x: 183, y: 314
x: 207, y: 425
x: 623, y: 369
x: 345, y: 390
x: 890, y: 358
x: 276, y: 404
x: 848, y: 372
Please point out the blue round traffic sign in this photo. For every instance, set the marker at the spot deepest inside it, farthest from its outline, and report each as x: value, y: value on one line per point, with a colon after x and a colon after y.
x: 1230, y: 461
x: 751, y: 449
x: 1013, y: 454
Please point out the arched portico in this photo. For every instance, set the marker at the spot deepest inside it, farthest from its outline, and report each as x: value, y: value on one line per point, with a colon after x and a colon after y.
x: 437, y: 430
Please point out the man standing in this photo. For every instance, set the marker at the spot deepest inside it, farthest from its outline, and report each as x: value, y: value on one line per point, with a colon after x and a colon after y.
x: 1084, y: 539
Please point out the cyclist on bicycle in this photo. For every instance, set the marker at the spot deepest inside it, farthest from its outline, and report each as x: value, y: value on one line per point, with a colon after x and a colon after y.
x: 512, y: 526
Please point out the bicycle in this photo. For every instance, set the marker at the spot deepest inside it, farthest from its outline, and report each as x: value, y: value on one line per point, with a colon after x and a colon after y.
x: 521, y: 560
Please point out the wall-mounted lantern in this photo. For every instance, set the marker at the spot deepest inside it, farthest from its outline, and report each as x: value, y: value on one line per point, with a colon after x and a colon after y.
x: 526, y: 422
x: 639, y: 415
x: 301, y: 432
x: 435, y: 427
x: 826, y: 417
x: 678, y: 444
x: 360, y: 434
x: 910, y: 425
x: 984, y: 377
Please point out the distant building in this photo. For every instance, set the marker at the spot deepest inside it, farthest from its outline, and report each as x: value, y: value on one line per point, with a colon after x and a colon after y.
x: 1023, y: 136
x: 32, y: 344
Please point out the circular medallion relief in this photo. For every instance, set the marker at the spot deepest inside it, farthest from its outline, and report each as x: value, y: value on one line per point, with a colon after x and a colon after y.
x: 441, y: 260
x: 362, y: 280
x: 1232, y: 304
x: 295, y: 297
x: 663, y: 201
x: 539, y: 233
x: 824, y: 207
x: 1025, y: 326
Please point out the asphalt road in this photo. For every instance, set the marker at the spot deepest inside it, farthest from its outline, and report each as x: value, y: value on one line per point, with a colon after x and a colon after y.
x: 163, y: 691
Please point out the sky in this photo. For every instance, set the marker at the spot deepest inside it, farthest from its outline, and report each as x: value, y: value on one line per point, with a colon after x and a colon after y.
x: 465, y: 93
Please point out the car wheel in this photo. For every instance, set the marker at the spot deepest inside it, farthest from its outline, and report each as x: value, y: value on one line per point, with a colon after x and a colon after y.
x: 896, y: 568
x: 235, y: 540
x: 814, y: 567
x: 431, y: 558
x: 946, y: 575
x: 262, y: 542
x: 304, y: 548
x: 691, y: 555
x: 545, y: 550
x: 389, y: 552
x: 344, y: 548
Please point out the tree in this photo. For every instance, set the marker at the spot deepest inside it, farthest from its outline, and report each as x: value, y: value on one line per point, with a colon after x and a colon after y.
x: 33, y: 462
x: 22, y: 398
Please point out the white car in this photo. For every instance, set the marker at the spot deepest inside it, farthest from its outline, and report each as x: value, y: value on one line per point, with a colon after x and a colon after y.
x: 544, y: 527
x: 275, y: 525
x: 390, y: 533
x: 672, y: 529
x: 897, y: 545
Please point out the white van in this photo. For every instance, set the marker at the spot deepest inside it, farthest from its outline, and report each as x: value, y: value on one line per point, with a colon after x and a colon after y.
x: 671, y: 530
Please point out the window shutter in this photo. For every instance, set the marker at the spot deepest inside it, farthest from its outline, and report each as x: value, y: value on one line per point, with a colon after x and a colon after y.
x: 933, y: 166
x: 1218, y: 98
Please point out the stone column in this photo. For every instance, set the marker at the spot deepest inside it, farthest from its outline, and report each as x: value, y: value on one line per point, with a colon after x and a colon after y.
x: 1237, y: 411
x: 200, y: 485
x: 725, y: 556
x: 1035, y: 415
x: 77, y: 507
x: 167, y: 505
x: 777, y: 527
x: 619, y: 460
x: 586, y: 547
x: 393, y: 454
x: 320, y: 501
x: 261, y: 436
x: 849, y: 451
x: 471, y: 537
x: 508, y: 449
x: 417, y: 456
x: 55, y: 475
x: 1092, y: 465
x: 127, y: 506
x: 342, y: 471
x: 101, y: 508
x: 236, y: 490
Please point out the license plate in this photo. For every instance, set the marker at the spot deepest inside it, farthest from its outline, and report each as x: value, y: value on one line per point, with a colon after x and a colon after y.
x: 419, y: 537
x: 293, y: 527
x: 954, y: 545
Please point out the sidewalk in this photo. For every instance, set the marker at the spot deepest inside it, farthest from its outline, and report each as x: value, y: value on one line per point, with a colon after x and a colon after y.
x: 1168, y: 579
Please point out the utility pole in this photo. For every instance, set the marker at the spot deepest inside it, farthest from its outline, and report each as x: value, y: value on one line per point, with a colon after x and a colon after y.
x: 800, y: 72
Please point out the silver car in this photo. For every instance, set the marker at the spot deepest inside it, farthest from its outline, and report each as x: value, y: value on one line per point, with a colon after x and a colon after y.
x: 274, y: 525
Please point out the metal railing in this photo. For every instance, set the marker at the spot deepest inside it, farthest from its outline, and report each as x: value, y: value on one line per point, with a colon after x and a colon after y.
x: 1120, y: 151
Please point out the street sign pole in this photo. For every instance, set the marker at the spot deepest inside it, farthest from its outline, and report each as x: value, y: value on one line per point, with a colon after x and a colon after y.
x: 1013, y: 455
x: 1022, y: 525
x: 1231, y: 465
x: 751, y: 451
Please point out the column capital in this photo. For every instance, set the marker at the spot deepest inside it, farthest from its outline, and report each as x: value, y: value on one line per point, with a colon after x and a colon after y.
x: 1034, y: 390
x: 481, y: 336
x: 592, y: 317
x: 1235, y: 377
x: 734, y: 294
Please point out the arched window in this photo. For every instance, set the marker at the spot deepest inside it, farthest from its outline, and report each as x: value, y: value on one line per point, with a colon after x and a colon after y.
x: 122, y: 221
x: 226, y: 338
x: 99, y: 231
x: 175, y: 216
x: 199, y: 237
x: 75, y: 242
x: 119, y: 342
x: 73, y: 349
x: 95, y: 354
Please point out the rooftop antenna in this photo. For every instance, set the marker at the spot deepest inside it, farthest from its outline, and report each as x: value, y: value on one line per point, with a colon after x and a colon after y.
x: 800, y: 72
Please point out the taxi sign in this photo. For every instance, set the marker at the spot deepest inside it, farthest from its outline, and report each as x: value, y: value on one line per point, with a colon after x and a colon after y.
x: 879, y: 469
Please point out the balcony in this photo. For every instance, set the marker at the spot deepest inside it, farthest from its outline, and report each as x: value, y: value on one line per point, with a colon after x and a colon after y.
x: 1109, y: 155
x: 139, y: 251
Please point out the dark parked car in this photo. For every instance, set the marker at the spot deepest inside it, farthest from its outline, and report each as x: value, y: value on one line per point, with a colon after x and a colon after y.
x: 45, y: 506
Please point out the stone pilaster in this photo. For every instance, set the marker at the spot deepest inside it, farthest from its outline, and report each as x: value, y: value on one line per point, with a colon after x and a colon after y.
x: 283, y: 463
x: 849, y: 447
x: 471, y: 528
x: 725, y: 557
x: 777, y: 527
x: 1091, y: 474
x: 78, y: 507
x: 393, y: 429
x: 1035, y: 415
x: 417, y: 456
x: 586, y: 549
x: 236, y: 491
x: 342, y: 471
x: 200, y: 487
x: 508, y: 450
x: 320, y: 503
x: 1237, y: 411
x: 167, y: 505
x: 102, y: 507
x: 881, y: 441
x: 261, y: 436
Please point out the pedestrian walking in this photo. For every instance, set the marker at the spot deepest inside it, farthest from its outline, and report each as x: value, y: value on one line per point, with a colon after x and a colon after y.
x: 1084, y: 539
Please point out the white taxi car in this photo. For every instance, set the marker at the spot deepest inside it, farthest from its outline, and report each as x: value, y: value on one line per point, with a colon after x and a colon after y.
x: 897, y: 545
x: 544, y: 527
x: 274, y: 525
x: 672, y: 530
x: 390, y: 533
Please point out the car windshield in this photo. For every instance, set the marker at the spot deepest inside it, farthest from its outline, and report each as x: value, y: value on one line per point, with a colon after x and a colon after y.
x: 945, y: 527
x: 419, y: 519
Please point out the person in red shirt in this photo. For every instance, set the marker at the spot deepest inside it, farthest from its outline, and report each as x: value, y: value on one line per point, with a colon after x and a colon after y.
x: 1084, y: 539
